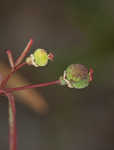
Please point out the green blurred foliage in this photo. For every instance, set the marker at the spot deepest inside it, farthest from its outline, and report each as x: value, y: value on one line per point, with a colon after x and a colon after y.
x: 96, y: 20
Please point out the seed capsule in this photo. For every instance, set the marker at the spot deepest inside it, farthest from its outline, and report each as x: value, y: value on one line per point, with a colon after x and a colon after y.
x: 39, y: 58
x: 76, y: 76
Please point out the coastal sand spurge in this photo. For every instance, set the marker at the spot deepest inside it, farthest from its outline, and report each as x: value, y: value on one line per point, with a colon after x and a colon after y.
x: 75, y: 76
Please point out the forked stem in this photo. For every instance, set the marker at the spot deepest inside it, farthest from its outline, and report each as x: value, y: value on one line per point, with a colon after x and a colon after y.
x: 4, y: 81
x: 8, y: 91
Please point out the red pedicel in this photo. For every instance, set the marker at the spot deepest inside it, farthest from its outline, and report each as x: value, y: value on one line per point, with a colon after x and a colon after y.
x: 90, y: 74
x: 51, y: 56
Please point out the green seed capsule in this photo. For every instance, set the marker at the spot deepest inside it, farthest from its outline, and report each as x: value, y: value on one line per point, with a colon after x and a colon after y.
x: 76, y: 76
x: 40, y: 57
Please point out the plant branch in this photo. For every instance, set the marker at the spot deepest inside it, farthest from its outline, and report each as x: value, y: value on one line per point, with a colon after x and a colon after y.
x: 19, y: 66
x: 4, y: 81
x: 10, y: 57
x: 32, y: 86
x: 26, y: 50
x: 31, y: 98
x: 12, y: 122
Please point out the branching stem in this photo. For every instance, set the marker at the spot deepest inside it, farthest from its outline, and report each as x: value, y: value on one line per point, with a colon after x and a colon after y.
x: 4, y: 82
x: 8, y: 91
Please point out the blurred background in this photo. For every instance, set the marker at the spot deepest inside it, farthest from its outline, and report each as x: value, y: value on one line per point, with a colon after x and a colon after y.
x: 76, y: 31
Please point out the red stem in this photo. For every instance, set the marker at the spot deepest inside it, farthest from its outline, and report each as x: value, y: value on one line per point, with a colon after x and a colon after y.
x: 10, y: 57
x: 20, y: 66
x: 4, y: 82
x: 23, y: 54
x: 32, y: 86
x: 12, y: 120
x: 12, y: 123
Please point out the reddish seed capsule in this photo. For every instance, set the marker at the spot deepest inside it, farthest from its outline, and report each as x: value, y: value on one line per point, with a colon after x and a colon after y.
x: 77, y: 76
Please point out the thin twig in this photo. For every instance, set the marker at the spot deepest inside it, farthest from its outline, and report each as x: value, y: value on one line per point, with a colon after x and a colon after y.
x: 20, y: 66
x: 4, y: 81
x: 26, y: 50
x: 10, y: 57
x: 32, y: 86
